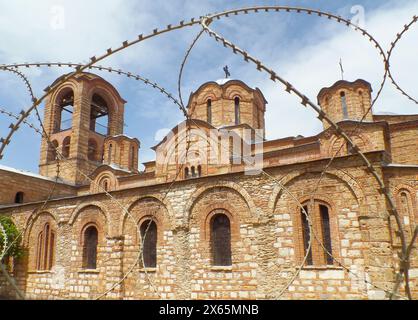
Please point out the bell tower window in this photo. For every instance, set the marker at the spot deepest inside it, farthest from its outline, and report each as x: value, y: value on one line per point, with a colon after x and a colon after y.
x: 99, y: 115
x: 64, y: 118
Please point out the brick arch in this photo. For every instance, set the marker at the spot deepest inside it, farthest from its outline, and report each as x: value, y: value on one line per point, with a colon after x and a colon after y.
x: 164, y: 220
x: 213, y: 94
x: 32, y: 219
x: 253, y: 209
x: 95, y: 187
x: 334, y: 228
x: 102, y: 209
x: 172, y: 147
x: 411, y: 192
x: 71, y: 84
x: 107, y: 94
x: 340, y: 175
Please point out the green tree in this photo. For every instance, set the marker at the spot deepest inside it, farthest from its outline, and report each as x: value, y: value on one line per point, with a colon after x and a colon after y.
x: 13, y: 246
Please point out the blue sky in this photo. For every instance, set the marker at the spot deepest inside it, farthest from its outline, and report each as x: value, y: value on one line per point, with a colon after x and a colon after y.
x: 303, y: 49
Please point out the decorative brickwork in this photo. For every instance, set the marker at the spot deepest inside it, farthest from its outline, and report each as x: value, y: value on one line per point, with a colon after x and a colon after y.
x: 98, y: 226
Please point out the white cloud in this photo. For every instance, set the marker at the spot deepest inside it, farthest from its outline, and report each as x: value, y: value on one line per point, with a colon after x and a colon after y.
x: 308, y: 58
x: 316, y: 66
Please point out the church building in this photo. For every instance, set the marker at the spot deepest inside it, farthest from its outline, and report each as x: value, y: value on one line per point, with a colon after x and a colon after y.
x: 222, y: 212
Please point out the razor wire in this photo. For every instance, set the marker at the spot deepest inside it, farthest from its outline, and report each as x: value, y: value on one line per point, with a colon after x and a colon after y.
x: 260, y: 66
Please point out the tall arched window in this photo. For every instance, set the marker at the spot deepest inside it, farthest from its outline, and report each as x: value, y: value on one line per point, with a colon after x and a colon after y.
x: 321, y: 252
x: 109, y: 153
x: 66, y: 144
x: 237, y: 111
x: 132, y: 157
x: 65, y: 109
x: 149, y: 243
x: 193, y: 172
x: 19, y: 197
x: 221, y: 240
x: 326, y: 233
x: 209, y: 110
x: 45, y: 254
x: 199, y: 171
x: 186, y: 173
x: 99, y: 115
x: 90, y: 241
x: 344, y: 104
x: 306, y: 235
x: 92, y: 150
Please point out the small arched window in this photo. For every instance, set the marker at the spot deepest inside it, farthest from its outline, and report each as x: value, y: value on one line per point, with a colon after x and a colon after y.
x: 90, y: 241
x: 221, y: 240
x: 186, y: 173
x: 199, y: 170
x: 19, y: 197
x: 237, y: 111
x: 52, y: 151
x: 149, y: 243
x: 344, y: 104
x: 209, y: 110
x: 92, y: 150
x: 406, y: 209
x: 193, y: 172
x: 45, y: 254
x: 66, y: 144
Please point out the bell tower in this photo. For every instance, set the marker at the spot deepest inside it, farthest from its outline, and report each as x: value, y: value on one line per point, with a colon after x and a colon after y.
x: 79, y: 115
x: 346, y: 101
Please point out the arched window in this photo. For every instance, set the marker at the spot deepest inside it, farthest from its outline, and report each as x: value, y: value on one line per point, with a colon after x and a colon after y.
x: 209, y: 110
x: 66, y: 144
x: 193, y: 172
x: 52, y: 151
x: 344, y: 104
x: 90, y: 241
x: 109, y: 154
x: 92, y: 150
x: 99, y: 115
x: 221, y: 240
x: 186, y: 173
x: 326, y: 233
x: 45, y: 255
x: 306, y: 235
x: 237, y: 111
x: 199, y: 170
x: 149, y: 243
x: 406, y: 209
x: 132, y: 160
x: 19, y: 197
x: 321, y: 252
x: 65, y: 107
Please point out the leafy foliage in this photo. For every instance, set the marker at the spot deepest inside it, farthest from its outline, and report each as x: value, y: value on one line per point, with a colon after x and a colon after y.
x: 13, y: 240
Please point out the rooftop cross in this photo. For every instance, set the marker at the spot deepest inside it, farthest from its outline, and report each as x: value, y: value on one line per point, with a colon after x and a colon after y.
x: 227, y: 74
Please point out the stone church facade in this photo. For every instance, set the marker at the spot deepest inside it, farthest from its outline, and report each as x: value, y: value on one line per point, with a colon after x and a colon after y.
x: 197, y: 223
